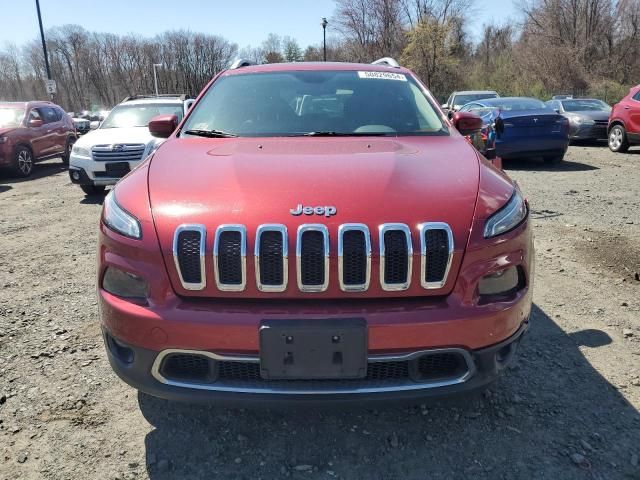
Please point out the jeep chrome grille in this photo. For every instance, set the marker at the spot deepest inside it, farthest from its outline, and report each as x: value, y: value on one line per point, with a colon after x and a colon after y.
x: 312, y: 258
x: 271, y: 260
x: 230, y: 257
x: 396, y: 256
x: 188, y: 253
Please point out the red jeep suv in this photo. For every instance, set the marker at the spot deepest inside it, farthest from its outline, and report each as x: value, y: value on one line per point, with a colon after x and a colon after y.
x: 32, y: 131
x: 314, y: 232
x: 624, y: 122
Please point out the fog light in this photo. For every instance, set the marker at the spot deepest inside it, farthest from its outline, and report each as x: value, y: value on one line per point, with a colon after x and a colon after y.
x: 503, y: 281
x: 124, y: 284
x: 75, y: 175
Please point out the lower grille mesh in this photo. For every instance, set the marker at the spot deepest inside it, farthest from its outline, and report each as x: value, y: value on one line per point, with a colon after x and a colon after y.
x: 189, y: 256
x: 188, y: 367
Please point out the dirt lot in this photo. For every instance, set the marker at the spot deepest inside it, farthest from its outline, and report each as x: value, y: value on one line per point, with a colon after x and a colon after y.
x: 568, y: 409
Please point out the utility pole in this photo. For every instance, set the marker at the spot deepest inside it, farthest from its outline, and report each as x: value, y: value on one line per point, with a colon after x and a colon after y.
x: 324, y: 37
x: 44, y: 43
x: 155, y: 76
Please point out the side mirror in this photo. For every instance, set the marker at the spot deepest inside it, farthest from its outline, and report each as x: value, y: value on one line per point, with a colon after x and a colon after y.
x: 162, y: 126
x: 557, y: 110
x: 450, y: 113
x: 35, y: 123
x: 445, y: 106
x: 467, y: 123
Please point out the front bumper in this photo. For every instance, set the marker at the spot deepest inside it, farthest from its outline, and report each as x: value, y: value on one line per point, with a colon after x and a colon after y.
x: 92, y: 172
x: 138, y: 368
x: 588, y: 132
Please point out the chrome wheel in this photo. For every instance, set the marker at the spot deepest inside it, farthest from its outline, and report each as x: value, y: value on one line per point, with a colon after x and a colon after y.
x: 25, y: 162
x: 615, y: 138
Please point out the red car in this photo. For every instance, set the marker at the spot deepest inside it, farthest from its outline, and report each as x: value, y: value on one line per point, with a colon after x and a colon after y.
x: 624, y: 122
x: 314, y: 232
x: 33, y: 131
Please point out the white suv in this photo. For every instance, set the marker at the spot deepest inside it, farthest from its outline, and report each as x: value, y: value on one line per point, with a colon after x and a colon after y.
x: 122, y: 141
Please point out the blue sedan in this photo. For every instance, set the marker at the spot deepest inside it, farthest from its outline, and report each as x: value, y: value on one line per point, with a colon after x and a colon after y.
x: 523, y: 127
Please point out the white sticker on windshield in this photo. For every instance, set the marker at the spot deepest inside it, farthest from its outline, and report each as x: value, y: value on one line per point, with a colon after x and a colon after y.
x: 383, y: 76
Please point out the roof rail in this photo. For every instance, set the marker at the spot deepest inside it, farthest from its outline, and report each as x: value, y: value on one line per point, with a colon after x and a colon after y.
x: 241, y: 62
x: 181, y: 96
x: 388, y: 61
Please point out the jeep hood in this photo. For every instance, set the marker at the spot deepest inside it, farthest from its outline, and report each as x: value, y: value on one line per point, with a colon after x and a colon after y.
x: 368, y: 180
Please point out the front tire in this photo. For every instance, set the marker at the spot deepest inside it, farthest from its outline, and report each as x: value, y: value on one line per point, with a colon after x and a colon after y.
x: 23, y: 162
x: 67, y: 151
x: 618, y: 139
x: 92, y: 189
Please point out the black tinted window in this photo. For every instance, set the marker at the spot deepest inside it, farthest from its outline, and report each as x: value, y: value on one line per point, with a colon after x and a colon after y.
x: 637, y: 96
x: 49, y: 115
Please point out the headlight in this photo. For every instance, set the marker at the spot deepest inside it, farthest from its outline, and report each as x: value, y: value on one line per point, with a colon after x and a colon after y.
x: 124, y: 284
x: 508, y: 217
x: 578, y: 120
x: 80, y: 151
x: 119, y: 220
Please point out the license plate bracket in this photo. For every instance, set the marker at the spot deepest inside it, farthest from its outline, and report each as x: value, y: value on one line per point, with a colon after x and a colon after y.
x: 313, y: 349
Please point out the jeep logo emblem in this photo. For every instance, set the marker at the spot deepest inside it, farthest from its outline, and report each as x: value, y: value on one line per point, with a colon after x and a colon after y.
x: 326, y: 211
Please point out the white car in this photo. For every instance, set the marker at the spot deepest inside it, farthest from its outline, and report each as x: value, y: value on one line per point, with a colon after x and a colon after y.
x: 122, y: 141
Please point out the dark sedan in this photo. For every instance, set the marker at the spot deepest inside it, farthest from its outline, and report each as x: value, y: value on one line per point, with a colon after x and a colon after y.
x: 524, y: 127
x: 588, y: 117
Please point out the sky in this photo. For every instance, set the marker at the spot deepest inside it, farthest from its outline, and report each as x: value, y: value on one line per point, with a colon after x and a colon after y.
x: 245, y: 22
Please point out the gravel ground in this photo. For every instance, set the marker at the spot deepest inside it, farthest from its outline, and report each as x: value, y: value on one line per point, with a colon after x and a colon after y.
x: 567, y: 410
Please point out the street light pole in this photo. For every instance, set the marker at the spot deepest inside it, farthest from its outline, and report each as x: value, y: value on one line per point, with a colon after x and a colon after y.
x: 155, y: 76
x: 324, y: 37
x: 44, y: 43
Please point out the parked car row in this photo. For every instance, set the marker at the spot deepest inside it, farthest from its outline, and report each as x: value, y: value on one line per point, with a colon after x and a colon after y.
x: 517, y: 127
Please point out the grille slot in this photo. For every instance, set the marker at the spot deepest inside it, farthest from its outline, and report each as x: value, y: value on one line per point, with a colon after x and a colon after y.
x: 436, y: 366
x: 271, y: 258
x: 354, y: 257
x: 312, y: 252
x: 436, y: 244
x: 188, y: 367
x: 118, y: 153
x: 230, y: 257
x: 395, y: 256
x: 188, y: 252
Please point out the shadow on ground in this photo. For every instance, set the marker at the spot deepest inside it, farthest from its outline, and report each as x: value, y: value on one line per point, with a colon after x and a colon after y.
x: 5, y: 188
x: 535, y: 164
x: 550, y: 405
x: 40, y: 170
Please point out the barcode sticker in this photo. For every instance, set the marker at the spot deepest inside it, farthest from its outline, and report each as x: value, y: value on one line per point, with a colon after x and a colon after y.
x: 383, y: 76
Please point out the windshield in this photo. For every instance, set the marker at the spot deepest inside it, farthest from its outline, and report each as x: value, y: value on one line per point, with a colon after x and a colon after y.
x: 316, y: 102
x: 585, y: 106
x: 125, y: 116
x: 507, y: 104
x: 460, y: 100
x: 11, y: 116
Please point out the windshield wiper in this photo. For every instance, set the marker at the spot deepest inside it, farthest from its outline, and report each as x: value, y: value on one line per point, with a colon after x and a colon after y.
x: 346, y: 134
x: 210, y: 133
